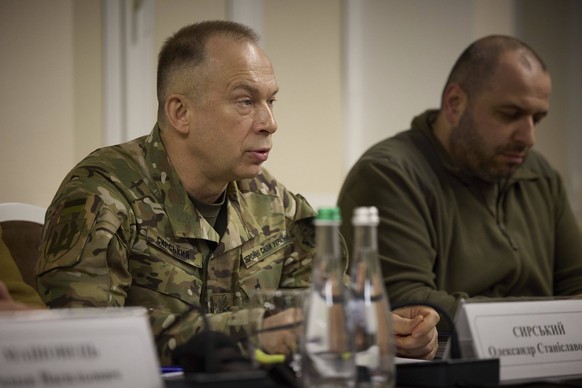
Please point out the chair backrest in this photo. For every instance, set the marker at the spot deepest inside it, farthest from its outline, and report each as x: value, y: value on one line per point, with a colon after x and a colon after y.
x: 21, y: 231
x: 14, y: 211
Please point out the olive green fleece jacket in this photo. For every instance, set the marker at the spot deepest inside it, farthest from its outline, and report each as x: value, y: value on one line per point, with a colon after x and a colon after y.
x: 444, y: 235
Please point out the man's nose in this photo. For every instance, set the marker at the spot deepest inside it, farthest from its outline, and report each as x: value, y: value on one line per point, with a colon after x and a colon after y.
x: 265, y: 119
x: 526, y: 133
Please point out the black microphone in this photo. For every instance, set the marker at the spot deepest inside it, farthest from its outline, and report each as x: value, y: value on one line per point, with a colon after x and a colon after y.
x: 210, y: 352
x: 213, y: 359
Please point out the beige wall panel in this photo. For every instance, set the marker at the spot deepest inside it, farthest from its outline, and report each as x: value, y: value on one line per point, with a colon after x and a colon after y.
x: 88, y: 77
x: 302, y: 39
x: 36, y: 98
x: 171, y: 15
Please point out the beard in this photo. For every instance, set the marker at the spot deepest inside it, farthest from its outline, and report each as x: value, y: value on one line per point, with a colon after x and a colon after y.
x: 472, y: 153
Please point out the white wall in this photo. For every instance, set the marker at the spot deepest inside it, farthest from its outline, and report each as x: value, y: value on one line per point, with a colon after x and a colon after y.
x: 351, y: 73
x: 398, y: 55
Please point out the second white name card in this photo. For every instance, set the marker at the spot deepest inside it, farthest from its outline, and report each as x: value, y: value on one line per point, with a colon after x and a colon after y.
x: 533, y: 340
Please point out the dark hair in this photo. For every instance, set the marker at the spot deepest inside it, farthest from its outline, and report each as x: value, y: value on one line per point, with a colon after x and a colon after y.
x: 187, y: 48
x: 478, y: 63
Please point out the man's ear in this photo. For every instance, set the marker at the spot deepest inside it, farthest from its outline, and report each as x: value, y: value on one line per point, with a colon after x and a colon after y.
x: 454, y: 104
x: 177, y: 113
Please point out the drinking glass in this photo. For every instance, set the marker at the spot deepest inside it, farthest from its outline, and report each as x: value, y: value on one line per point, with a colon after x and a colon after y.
x: 275, y: 335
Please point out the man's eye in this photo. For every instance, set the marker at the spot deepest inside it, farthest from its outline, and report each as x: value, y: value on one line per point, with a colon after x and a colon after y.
x: 271, y: 101
x: 512, y: 113
x: 538, y: 118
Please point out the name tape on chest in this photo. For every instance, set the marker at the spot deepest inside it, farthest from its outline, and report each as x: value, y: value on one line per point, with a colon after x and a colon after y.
x: 172, y: 248
x: 257, y: 253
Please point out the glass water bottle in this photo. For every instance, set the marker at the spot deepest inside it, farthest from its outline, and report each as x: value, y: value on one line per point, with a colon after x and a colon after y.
x: 370, y: 308
x: 327, y: 358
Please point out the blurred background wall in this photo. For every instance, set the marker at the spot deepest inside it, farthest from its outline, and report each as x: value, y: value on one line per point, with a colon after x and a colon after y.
x: 76, y: 75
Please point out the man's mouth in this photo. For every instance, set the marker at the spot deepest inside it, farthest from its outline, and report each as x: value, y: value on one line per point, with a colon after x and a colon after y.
x: 514, y: 157
x: 261, y: 154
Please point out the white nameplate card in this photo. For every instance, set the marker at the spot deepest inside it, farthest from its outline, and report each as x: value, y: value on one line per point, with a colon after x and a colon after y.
x: 80, y: 348
x: 534, y: 340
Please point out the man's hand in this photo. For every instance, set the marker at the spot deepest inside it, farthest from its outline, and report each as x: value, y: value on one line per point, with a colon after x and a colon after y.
x: 284, y: 340
x: 7, y: 303
x: 415, y: 332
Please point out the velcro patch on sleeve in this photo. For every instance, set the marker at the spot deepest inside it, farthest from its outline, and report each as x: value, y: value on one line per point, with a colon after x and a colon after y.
x: 68, y: 230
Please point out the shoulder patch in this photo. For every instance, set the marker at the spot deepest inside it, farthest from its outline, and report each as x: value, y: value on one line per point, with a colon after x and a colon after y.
x: 67, y: 226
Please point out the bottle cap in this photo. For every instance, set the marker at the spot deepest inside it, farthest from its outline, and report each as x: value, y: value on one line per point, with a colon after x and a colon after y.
x: 329, y: 214
x: 366, y: 215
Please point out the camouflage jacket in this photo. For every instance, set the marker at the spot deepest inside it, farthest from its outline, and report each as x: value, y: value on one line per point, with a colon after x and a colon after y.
x: 122, y: 231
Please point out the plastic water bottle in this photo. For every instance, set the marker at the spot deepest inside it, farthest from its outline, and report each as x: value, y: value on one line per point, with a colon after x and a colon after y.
x: 369, y: 305
x: 327, y: 348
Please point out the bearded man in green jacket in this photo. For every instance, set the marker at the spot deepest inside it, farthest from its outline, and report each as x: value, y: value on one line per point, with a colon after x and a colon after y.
x: 467, y: 209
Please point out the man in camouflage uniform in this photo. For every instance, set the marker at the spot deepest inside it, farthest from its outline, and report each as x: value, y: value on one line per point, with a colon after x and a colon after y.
x: 184, y: 220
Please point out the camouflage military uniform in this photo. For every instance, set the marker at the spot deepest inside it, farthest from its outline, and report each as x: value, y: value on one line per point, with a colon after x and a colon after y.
x: 122, y: 231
